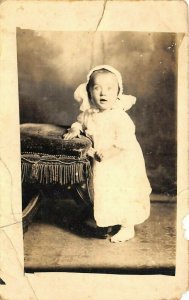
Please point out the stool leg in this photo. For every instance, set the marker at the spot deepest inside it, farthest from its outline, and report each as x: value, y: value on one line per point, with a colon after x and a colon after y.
x: 80, y: 195
x: 30, y: 210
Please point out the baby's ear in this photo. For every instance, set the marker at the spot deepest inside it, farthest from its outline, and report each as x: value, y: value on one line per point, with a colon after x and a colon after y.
x: 127, y: 101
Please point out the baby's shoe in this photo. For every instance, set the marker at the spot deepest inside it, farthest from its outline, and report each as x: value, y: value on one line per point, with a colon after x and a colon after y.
x: 124, y: 234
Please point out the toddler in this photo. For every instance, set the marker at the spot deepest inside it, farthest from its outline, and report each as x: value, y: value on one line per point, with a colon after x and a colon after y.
x: 121, y: 186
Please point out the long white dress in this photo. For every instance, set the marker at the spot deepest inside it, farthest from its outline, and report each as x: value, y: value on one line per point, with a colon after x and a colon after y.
x: 121, y: 186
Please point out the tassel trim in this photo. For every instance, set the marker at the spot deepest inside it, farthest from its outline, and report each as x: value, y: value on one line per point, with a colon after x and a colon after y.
x: 55, y: 171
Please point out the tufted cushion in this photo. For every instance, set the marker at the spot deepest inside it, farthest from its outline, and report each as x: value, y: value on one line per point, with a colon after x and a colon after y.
x: 49, y: 159
x: 47, y: 138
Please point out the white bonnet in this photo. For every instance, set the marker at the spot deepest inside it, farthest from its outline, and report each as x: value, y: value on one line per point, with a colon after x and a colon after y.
x: 81, y: 95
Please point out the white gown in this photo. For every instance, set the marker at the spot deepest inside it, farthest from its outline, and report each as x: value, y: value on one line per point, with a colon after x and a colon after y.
x: 121, y: 186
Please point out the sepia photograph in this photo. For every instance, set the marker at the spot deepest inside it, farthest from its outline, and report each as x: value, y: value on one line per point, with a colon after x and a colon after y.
x: 98, y: 128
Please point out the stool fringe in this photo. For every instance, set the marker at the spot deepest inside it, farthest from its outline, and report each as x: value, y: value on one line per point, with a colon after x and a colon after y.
x: 53, y: 173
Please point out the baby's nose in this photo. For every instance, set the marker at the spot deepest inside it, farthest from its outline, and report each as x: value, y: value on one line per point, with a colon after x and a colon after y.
x: 103, y: 92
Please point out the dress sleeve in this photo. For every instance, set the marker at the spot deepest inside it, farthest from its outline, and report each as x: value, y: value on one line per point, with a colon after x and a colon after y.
x: 125, y: 131
x: 79, y: 124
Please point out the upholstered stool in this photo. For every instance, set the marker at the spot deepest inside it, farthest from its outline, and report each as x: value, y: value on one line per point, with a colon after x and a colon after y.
x: 48, y: 159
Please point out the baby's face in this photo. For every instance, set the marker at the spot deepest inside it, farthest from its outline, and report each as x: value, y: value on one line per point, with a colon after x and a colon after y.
x: 104, y: 90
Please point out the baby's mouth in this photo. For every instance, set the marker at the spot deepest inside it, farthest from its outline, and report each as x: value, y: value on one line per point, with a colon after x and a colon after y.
x: 102, y: 101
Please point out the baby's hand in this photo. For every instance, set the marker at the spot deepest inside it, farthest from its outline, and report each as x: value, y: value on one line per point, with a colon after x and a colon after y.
x: 98, y: 156
x: 72, y: 133
x: 107, y: 153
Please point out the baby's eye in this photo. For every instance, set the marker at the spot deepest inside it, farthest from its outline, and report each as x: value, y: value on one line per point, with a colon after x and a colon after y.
x: 96, y: 88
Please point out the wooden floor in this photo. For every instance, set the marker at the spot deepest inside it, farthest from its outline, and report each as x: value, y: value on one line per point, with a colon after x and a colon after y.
x: 52, y: 243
